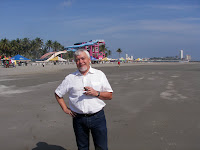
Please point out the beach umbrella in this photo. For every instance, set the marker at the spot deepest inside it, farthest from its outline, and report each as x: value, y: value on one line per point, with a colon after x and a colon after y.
x: 122, y: 59
x: 20, y: 58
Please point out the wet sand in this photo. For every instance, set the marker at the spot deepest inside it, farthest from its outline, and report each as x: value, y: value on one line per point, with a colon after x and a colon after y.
x: 153, y: 107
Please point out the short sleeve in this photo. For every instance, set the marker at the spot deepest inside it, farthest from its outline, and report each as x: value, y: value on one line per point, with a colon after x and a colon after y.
x: 106, y: 84
x: 62, y: 89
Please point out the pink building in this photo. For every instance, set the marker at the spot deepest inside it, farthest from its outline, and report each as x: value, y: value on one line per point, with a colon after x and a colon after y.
x: 92, y: 47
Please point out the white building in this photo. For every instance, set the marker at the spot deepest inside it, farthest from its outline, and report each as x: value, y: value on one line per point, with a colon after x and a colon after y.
x: 129, y: 58
x: 188, y: 57
x: 181, y: 54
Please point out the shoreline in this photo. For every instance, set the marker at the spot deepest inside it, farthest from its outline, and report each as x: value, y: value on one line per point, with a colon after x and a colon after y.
x: 39, y: 69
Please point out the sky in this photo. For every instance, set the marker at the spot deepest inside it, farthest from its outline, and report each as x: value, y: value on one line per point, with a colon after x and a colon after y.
x: 141, y: 28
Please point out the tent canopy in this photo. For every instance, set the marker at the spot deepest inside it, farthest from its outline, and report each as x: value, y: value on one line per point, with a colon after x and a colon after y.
x: 122, y: 59
x: 106, y: 59
x: 20, y: 58
x: 57, y: 59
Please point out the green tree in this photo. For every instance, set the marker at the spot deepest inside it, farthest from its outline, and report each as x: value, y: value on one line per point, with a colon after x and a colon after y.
x: 33, y: 48
x: 28, y: 48
x: 5, y: 46
x: 38, y: 47
x: 119, y: 51
x: 108, y: 53
x: 102, y: 48
x: 57, y: 46
x: 13, y: 47
x: 19, y: 46
x: 49, y: 45
x: 26, y: 45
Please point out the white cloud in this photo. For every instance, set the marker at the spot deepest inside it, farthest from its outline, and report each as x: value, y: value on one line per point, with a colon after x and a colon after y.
x: 175, y: 7
x: 189, y: 19
x: 66, y: 3
x: 170, y: 7
x: 162, y: 26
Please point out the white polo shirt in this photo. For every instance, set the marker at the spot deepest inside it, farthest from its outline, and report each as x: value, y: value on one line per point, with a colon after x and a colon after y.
x: 74, y: 84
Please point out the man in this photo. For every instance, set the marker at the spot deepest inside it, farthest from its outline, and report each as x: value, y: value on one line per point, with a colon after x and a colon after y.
x: 86, y: 88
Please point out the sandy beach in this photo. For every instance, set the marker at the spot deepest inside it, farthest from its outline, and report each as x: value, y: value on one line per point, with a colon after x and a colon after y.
x: 155, y: 106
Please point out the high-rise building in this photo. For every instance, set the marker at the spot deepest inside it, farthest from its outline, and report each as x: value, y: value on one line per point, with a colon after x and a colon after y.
x: 181, y: 54
x: 126, y: 56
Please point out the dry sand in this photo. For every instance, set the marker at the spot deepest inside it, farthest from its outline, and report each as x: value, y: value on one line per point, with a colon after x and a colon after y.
x: 154, y: 107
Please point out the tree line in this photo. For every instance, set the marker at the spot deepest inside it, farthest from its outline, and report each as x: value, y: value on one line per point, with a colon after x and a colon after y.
x: 32, y: 49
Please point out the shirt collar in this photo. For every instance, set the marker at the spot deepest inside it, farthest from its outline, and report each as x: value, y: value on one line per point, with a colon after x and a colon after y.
x: 91, y: 70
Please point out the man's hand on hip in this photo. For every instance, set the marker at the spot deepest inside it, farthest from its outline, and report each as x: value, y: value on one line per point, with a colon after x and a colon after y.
x: 69, y: 112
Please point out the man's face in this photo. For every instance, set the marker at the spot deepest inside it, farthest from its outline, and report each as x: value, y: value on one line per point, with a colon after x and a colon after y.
x: 83, y: 62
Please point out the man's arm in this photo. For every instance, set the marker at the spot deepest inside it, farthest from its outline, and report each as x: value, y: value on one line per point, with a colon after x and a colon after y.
x: 102, y: 96
x: 64, y: 106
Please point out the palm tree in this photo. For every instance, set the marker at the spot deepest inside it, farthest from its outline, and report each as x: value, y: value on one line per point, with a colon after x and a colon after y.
x: 102, y: 48
x: 108, y: 53
x: 19, y: 46
x: 49, y: 45
x: 33, y: 49
x: 39, y: 42
x: 4, y: 46
x: 26, y: 44
x: 38, y: 46
x: 56, y: 46
x: 119, y: 51
x: 14, y: 46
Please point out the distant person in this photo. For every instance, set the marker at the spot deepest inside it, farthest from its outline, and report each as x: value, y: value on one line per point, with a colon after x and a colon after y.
x: 118, y: 63
x: 86, y: 88
x: 7, y: 64
x: 13, y: 63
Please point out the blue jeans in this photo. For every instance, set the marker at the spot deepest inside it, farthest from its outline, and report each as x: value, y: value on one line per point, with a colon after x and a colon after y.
x: 97, y: 125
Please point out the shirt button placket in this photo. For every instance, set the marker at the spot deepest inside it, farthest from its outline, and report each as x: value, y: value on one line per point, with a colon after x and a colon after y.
x: 83, y: 83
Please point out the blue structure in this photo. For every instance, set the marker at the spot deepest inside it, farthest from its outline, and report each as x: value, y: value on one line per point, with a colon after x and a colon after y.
x: 20, y: 58
x: 83, y: 44
x: 92, y: 58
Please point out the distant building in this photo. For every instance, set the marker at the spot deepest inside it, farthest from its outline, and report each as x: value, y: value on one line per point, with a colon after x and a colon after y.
x: 93, y: 47
x: 126, y: 56
x: 181, y: 54
x: 129, y: 58
x: 188, y: 57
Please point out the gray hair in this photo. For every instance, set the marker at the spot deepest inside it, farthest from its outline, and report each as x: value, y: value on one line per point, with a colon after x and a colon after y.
x: 78, y: 52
